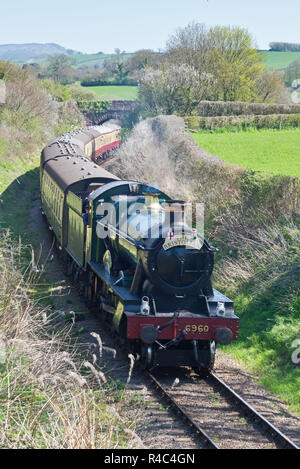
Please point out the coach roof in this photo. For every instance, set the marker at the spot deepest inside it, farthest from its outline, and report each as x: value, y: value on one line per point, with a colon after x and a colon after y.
x: 73, y: 143
x: 57, y: 149
x: 67, y: 170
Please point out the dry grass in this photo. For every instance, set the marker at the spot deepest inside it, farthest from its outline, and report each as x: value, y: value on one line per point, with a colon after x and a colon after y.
x: 160, y: 152
x: 262, y: 254
x: 50, y: 395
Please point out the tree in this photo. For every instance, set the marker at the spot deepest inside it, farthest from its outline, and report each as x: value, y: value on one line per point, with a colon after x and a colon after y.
x: 226, y: 53
x: 141, y: 59
x: 26, y: 101
x: 34, y: 68
x: 59, y: 67
x: 120, y: 71
x: 284, y: 47
x: 189, y: 46
x: 292, y: 73
x: 270, y: 87
x: 173, y: 89
x: 234, y: 62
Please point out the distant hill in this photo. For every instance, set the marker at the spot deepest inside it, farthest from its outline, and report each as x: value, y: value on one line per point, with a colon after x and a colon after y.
x: 22, y: 53
x: 39, y: 53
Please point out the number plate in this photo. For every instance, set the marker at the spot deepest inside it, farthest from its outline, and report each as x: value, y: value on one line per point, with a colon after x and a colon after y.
x: 196, y: 328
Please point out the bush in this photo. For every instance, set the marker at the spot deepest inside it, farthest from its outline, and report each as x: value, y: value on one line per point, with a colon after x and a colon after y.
x: 56, y: 90
x: 235, y: 108
x: 35, y: 111
x: 159, y: 151
x: 69, y: 117
x: 81, y: 94
x: 174, y: 89
x: 277, y: 121
x: 111, y: 82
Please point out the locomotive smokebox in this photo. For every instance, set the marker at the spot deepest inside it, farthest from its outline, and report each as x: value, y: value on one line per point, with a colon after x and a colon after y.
x: 178, y: 269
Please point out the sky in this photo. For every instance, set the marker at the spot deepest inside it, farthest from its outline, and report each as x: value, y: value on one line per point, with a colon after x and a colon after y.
x: 97, y: 25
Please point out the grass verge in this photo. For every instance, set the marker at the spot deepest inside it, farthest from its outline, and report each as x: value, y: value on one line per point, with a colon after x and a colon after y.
x: 270, y: 151
x: 51, y: 395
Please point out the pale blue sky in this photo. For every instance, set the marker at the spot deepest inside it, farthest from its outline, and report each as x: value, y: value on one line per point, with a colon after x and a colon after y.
x: 93, y: 25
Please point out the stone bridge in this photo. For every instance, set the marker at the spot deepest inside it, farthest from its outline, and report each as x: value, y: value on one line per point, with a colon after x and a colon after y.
x: 117, y: 110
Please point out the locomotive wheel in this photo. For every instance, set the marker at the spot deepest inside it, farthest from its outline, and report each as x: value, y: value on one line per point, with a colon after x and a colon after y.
x: 206, y: 358
x: 147, y: 356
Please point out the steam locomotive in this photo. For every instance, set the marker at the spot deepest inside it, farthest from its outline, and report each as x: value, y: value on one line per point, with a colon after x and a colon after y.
x: 133, y: 254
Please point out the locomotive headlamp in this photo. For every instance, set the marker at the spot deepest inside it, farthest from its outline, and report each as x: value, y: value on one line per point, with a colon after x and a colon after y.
x: 145, y: 306
x: 220, y: 311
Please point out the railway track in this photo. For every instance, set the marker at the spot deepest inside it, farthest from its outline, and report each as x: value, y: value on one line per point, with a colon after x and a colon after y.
x: 204, y: 438
x: 254, y: 418
x: 251, y: 413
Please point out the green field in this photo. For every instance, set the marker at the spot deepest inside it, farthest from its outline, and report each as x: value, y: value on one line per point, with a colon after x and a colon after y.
x: 277, y: 60
x: 269, y: 151
x: 109, y: 93
x: 90, y: 60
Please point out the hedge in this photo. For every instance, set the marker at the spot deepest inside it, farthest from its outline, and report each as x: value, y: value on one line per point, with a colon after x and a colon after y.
x: 284, y: 47
x: 99, y: 82
x: 94, y: 107
x: 275, y: 121
x: 235, y: 108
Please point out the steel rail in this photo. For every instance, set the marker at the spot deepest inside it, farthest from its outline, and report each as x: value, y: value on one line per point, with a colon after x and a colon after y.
x: 197, y: 430
x: 285, y: 442
x: 204, y: 437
